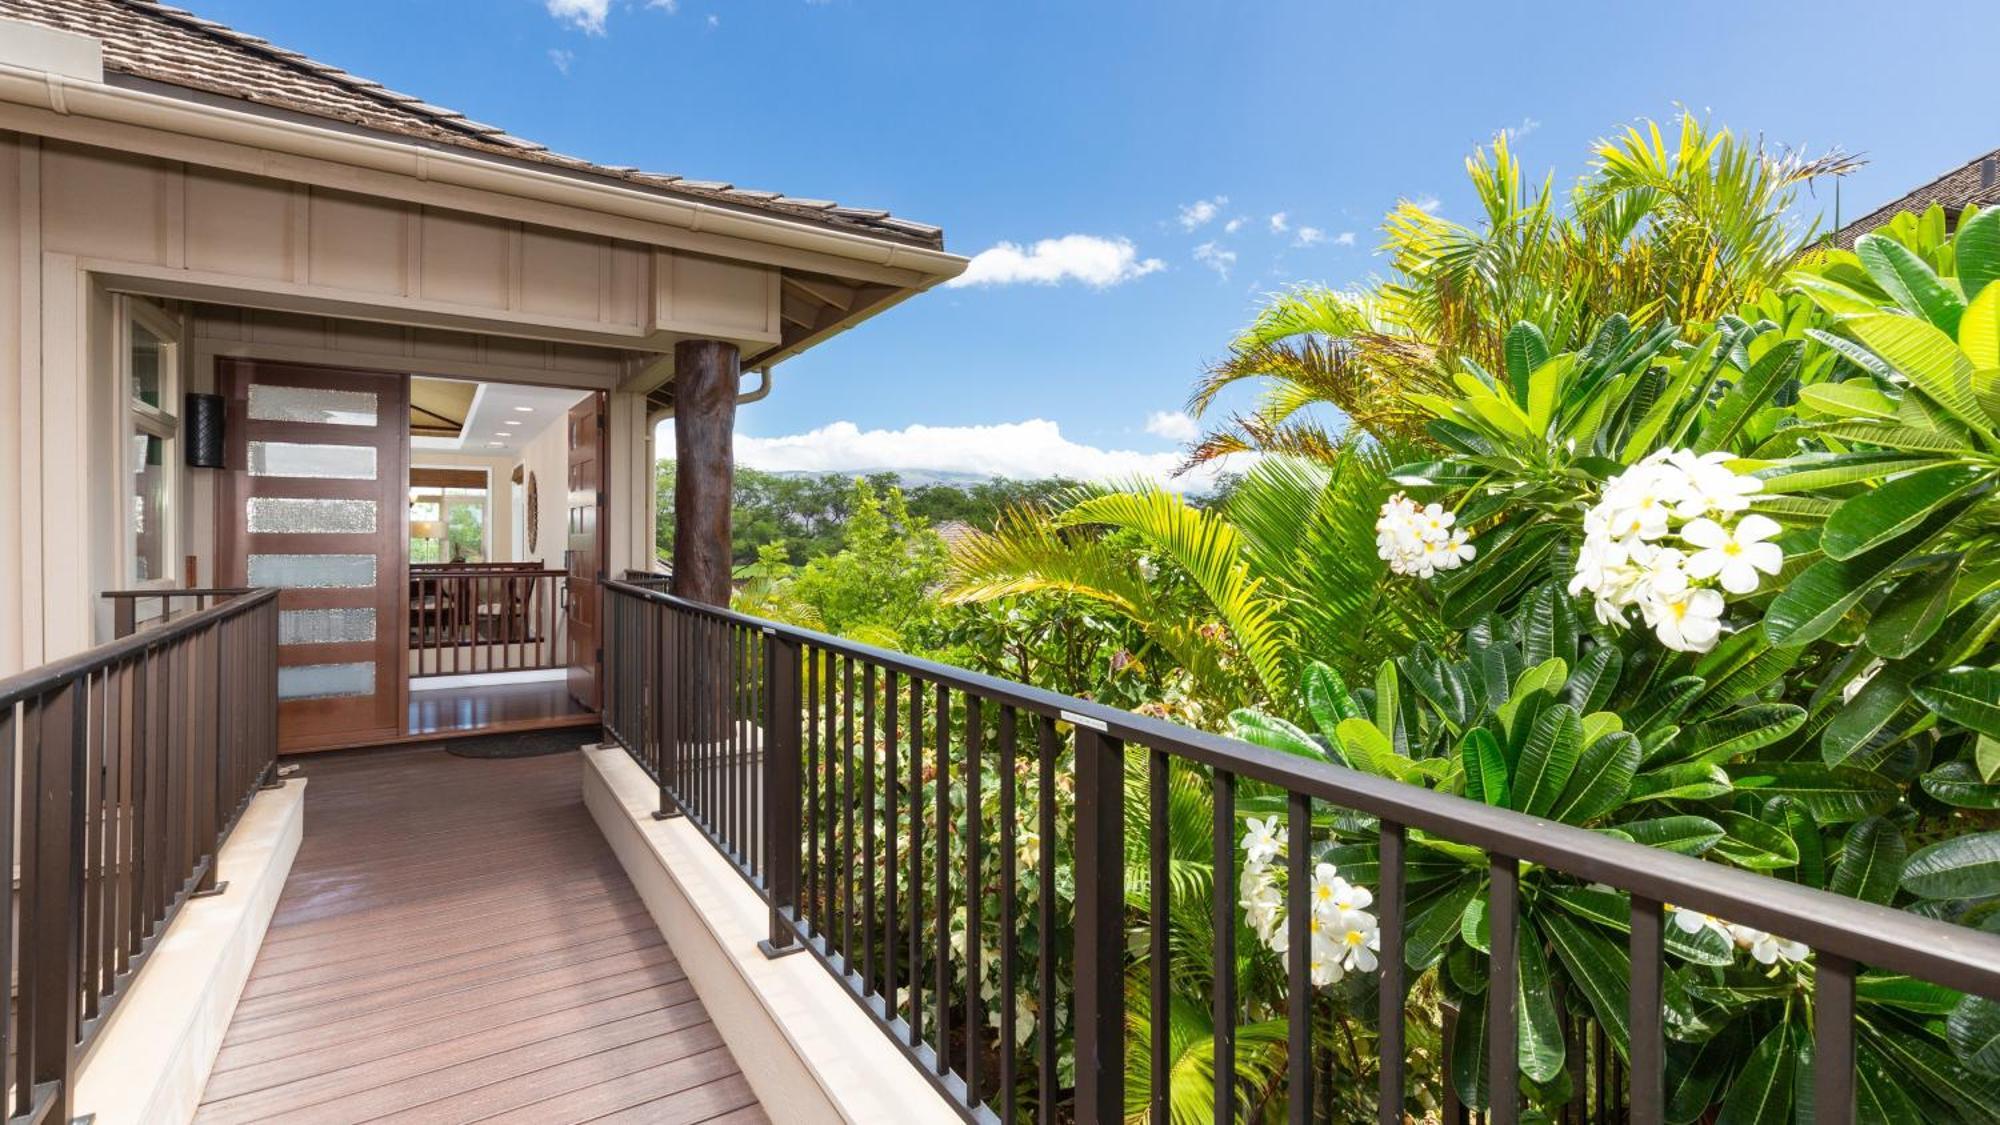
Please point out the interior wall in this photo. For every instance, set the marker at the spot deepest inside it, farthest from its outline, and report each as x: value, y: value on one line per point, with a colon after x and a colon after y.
x: 547, y: 457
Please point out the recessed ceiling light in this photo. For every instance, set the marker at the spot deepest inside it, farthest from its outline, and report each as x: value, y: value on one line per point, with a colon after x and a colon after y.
x: 496, y: 443
x: 511, y: 422
x: 503, y: 434
x: 525, y: 409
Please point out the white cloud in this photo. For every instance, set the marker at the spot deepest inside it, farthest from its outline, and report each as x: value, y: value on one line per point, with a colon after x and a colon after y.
x: 714, y: 20
x: 672, y: 7
x: 1174, y: 425
x: 1215, y: 257
x: 1309, y: 236
x: 1201, y: 211
x: 561, y: 59
x: 1426, y: 202
x: 1233, y: 225
x: 585, y: 15
x: 1516, y: 132
x: 1097, y: 262
x: 1280, y: 223
x: 1026, y: 450
x: 1344, y: 238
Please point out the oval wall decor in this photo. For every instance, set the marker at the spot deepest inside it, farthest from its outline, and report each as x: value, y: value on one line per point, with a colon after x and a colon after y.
x: 534, y: 513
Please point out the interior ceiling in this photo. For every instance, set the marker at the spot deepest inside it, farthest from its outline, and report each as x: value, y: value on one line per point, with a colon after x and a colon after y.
x: 438, y: 406
x: 811, y: 305
x: 500, y: 419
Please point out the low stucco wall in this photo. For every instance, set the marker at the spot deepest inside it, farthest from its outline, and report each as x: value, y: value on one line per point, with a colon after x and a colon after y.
x: 806, y: 1047
x: 148, y: 1064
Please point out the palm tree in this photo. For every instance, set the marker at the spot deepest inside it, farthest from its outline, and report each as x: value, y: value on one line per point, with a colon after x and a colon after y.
x: 1285, y: 570
x: 1679, y: 234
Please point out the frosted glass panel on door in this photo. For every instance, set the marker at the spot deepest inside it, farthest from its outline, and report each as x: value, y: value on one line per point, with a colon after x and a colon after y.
x: 285, y: 515
x: 325, y: 626
x: 298, y: 459
x: 312, y: 404
x: 326, y: 681
x: 312, y: 572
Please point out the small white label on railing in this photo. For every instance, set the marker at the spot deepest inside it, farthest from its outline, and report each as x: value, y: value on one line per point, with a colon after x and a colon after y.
x: 770, y: 632
x: 1082, y: 720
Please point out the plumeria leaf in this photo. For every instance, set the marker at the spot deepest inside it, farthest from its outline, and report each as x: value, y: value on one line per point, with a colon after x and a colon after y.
x: 1727, y: 419
x: 1745, y: 729
x: 1434, y: 920
x: 1987, y: 754
x: 1852, y: 399
x: 1274, y: 733
x: 1327, y: 697
x: 1958, y: 784
x: 1964, y: 867
x: 1974, y: 1033
x: 1762, y: 1091
x: 1929, y: 358
x: 1596, y: 677
x: 1599, y: 967
x: 1871, y: 861
x: 1911, y: 614
x: 1979, y: 331
x: 1601, y: 780
x: 1695, y: 781
x: 1976, y: 251
x: 1796, y: 821
x: 1695, y: 1072
x: 1485, y: 768
x: 1821, y: 595
x: 1969, y: 697
x: 1881, y: 514
x: 1548, y: 759
x: 1541, y: 1031
x: 1908, y: 993
x: 1686, y: 834
x: 1833, y: 794
x: 1808, y: 471
x: 1750, y: 842
x: 1910, y: 282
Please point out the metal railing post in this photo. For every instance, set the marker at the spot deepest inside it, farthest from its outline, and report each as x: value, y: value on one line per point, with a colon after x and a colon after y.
x: 780, y: 748
x: 1099, y: 977
x: 667, y: 713
x: 52, y: 915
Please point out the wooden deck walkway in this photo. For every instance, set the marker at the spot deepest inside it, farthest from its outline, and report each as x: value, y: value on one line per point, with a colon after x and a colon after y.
x: 456, y: 944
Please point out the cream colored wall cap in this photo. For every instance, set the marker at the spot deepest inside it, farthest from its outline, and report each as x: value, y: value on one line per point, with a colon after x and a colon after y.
x: 148, y: 1064
x: 31, y: 46
x: 714, y: 920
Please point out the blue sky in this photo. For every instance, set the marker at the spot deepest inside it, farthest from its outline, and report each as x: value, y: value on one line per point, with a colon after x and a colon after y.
x: 1126, y: 122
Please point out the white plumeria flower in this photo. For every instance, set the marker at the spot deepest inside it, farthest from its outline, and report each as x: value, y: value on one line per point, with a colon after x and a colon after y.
x: 1641, y: 501
x: 1263, y: 906
x: 1734, y: 556
x: 1688, y: 622
x: 1326, y: 890
x: 1349, y: 898
x: 1263, y: 840
x: 1359, y: 939
x: 1693, y: 922
x: 1457, y: 551
x: 1768, y: 949
x: 1712, y: 486
x: 1326, y: 965
x: 1434, y: 523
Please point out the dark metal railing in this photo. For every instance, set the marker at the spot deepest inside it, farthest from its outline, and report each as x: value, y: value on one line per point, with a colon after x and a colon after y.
x: 848, y: 785
x: 486, y: 618
x: 134, y: 761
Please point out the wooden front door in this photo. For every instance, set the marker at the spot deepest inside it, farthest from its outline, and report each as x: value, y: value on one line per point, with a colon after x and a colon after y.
x: 315, y: 502
x: 587, y: 549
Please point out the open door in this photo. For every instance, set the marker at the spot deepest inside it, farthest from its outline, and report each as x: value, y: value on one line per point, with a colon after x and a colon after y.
x: 587, y: 548
x: 314, y: 502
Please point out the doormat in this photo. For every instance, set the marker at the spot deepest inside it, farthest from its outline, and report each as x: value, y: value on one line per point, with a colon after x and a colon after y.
x: 523, y: 744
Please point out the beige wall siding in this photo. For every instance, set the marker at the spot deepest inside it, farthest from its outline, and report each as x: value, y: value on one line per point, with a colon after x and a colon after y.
x: 290, y: 272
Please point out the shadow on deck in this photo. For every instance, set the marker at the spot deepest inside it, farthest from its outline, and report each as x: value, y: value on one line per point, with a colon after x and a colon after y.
x: 457, y: 943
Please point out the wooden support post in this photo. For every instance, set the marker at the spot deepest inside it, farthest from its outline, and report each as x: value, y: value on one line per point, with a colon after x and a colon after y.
x: 705, y: 388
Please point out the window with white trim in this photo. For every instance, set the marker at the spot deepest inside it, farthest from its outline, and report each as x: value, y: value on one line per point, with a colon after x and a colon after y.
x: 149, y: 360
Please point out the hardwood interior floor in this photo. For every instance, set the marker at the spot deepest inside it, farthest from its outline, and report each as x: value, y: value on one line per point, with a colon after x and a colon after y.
x: 518, y: 706
x: 457, y: 943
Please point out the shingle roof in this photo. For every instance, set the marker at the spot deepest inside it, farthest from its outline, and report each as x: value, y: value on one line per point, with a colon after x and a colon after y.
x: 152, y: 41
x: 1977, y: 181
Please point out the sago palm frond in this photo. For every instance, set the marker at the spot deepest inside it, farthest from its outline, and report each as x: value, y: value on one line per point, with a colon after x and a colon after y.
x: 1191, y: 1077
x: 1028, y: 553
x: 1209, y: 551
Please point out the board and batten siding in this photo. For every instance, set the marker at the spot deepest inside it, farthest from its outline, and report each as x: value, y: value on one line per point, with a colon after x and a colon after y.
x: 297, y: 272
